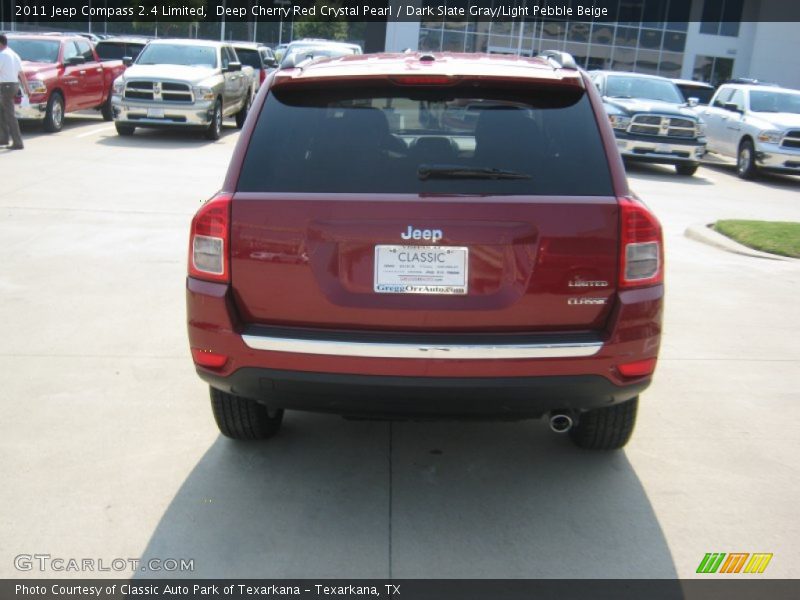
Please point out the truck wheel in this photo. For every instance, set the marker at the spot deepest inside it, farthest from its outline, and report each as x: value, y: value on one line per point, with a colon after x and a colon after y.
x: 54, y: 115
x: 745, y: 160
x: 106, y: 110
x: 214, y: 129
x: 606, y: 428
x: 241, y: 116
x: 686, y: 169
x: 124, y: 130
x: 244, y: 419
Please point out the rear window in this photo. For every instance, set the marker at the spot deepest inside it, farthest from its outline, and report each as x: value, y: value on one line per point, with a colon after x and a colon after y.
x: 110, y: 51
x: 250, y: 58
x: 420, y: 141
x: 702, y: 94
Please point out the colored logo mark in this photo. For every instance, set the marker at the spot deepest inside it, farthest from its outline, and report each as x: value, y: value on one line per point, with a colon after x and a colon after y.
x: 734, y: 562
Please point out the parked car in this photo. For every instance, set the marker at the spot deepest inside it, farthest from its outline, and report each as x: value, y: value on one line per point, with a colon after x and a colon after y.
x: 183, y: 83
x: 358, y: 262
x: 64, y: 75
x: 121, y: 47
x: 695, y: 93
x: 757, y: 125
x: 651, y: 120
x: 258, y: 56
x: 300, y: 50
x: 279, y: 51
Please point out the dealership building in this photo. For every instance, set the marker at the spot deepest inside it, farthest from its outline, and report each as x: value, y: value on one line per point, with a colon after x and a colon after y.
x: 706, y: 40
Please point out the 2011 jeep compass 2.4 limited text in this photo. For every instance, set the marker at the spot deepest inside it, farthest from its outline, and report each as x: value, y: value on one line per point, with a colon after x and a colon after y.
x: 427, y: 236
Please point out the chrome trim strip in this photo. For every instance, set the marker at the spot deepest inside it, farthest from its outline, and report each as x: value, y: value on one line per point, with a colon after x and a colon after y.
x: 437, y: 351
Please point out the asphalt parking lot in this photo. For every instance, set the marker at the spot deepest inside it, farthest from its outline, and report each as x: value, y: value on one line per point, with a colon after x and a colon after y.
x: 108, y: 448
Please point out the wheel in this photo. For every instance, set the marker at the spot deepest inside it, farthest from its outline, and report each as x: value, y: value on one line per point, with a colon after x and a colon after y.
x: 687, y: 169
x: 745, y: 160
x: 244, y: 419
x: 241, y: 116
x: 106, y: 110
x: 606, y: 428
x: 214, y: 129
x: 54, y: 115
x: 124, y: 130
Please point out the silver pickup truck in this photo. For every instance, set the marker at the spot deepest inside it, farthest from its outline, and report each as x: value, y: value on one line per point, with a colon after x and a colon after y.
x: 183, y: 83
x: 757, y: 125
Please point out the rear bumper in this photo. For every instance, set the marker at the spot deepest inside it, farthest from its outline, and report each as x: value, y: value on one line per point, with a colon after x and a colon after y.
x: 431, y: 397
x: 481, y: 374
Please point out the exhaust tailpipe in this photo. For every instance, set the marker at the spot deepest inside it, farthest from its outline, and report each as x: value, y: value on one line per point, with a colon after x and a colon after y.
x: 560, y: 422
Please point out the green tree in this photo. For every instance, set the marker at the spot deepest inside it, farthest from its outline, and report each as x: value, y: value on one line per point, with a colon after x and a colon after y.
x: 313, y: 27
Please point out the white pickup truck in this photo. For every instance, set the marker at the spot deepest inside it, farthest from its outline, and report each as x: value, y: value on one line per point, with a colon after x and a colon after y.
x: 757, y: 125
x: 183, y: 83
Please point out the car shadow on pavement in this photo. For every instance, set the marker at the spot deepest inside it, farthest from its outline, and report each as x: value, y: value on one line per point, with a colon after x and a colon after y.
x: 72, y: 123
x: 147, y: 137
x: 335, y: 498
x: 772, y: 180
x: 653, y: 172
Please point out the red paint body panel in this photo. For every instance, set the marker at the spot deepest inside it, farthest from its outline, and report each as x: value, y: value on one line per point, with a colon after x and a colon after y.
x: 306, y: 261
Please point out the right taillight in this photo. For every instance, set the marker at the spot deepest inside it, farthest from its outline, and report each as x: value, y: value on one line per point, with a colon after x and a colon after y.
x: 209, y: 241
x: 642, y: 247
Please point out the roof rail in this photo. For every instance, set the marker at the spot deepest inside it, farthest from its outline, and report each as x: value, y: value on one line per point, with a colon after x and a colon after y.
x: 562, y: 60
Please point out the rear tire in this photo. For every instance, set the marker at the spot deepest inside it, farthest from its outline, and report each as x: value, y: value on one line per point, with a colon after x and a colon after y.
x: 241, y: 116
x: 746, y: 160
x: 124, y: 130
x: 106, y: 110
x: 243, y: 419
x: 686, y: 169
x: 607, y: 428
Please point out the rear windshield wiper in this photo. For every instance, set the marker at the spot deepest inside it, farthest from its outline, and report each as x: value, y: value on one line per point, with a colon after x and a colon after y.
x: 458, y: 172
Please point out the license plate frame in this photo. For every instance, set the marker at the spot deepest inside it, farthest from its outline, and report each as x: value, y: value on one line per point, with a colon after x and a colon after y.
x: 155, y: 113
x: 431, y: 270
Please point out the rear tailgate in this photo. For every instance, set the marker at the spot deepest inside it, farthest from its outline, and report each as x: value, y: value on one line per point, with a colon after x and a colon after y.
x: 394, y: 207
x: 533, y: 264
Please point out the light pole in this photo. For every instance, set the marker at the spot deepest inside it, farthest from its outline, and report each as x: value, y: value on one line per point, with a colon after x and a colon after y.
x: 222, y: 27
x: 281, y: 3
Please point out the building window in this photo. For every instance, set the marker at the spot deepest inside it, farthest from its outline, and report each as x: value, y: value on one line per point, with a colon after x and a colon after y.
x: 722, y: 17
x: 712, y: 69
x: 650, y: 36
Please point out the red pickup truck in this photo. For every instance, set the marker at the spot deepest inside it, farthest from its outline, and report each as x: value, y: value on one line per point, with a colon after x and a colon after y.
x: 64, y: 75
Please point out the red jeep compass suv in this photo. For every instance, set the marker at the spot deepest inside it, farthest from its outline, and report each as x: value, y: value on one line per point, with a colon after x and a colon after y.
x: 427, y: 235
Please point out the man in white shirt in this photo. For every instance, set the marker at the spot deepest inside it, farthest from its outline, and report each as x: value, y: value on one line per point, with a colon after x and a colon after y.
x: 11, y: 77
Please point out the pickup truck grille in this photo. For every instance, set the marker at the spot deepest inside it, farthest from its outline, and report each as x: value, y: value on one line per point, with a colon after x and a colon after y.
x: 156, y: 91
x: 662, y: 126
x: 791, y: 139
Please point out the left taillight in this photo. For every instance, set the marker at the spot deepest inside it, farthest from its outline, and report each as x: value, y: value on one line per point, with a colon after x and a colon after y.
x: 209, y: 241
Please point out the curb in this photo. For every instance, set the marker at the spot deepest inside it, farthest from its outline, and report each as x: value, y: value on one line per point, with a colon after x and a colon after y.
x: 703, y: 233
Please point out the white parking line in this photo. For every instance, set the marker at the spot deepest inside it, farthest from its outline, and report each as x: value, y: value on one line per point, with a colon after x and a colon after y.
x: 95, y: 131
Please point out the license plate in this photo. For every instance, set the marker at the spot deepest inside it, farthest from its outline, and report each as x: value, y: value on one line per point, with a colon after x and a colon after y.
x: 421, y: 269
x: 155, y: 113
x: 663, y: 149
